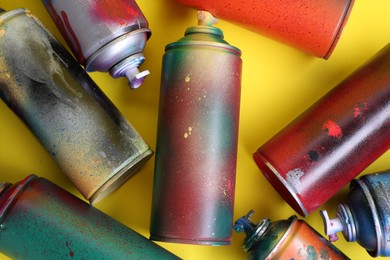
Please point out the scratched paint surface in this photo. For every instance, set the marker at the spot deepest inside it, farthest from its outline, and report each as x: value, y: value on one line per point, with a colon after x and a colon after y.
x: 294, y: 239
x: 46, y: 222
x: 313, y: 26
x: 89, y: 25
x: 334, y: 140
x: 197, y: 136
x: 85, y: 134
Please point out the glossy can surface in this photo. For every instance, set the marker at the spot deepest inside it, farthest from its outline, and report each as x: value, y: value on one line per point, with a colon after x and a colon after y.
x: 39, y: 220
x: 365, y: 217
x: 313, y: 26
x: 285, y: 239
x: 194, y: 182
x: 334, y: 140
x: 83, y: 131
x: 104, y: 35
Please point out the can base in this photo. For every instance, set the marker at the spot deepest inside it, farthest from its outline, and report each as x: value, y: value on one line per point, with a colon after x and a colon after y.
x: 279, y: 184
x: 130, y: 168
x: 191, y: 241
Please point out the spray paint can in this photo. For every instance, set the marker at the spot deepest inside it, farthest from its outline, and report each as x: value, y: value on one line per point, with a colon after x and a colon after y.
x: 365, y: 217
x: 285, y: 239
x: 313, y: 26
x: 83, y: 131
x: 195, y: 169
x: 107, y: 36
x: 39, y: 220
x: 322, y: 150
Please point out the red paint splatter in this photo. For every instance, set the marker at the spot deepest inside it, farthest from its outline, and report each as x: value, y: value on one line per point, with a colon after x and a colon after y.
x: 70, y: 251
x: 359, y: 109
x: 333, y: 129
x: 119, y: 12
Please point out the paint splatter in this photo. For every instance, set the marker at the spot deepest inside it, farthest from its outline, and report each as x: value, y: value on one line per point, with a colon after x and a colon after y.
x: 71, y: 253
x: 187, y: 78
x: 120, y: 12
x: 324, y: 255
x: 359, y: 109
x: 293, y: 178
x: 313, y: 156
x: 187, y: 134
x: 333, y: 129
x: 311, y: 253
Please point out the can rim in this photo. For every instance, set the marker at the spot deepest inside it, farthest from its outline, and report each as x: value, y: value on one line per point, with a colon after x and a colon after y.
x: 14, y: 194
x: 366, y: 191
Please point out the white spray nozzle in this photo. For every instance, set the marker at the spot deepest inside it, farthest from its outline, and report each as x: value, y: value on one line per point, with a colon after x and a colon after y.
x: 332, y: 226
x: 135, y: 77
x: 206, y: 19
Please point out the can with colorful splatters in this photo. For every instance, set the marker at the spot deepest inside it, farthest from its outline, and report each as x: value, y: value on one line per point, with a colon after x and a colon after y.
x: 365, y: 216
x: 196, y: 153
x: 285, y: 239
x: 313, y: 26
x: 39, y: 220
x: 91, y: 141
x: 104, y: 35
x: 327, y: 146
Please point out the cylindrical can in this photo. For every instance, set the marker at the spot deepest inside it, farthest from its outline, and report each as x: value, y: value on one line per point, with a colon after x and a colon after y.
x: 313, y: 26
x: 39, y: 220
x: 195, y: 169
x: 365, y: 217
x: 83, y: 131
x: 322, y: 150
x: 285, y: 239
x: 107, y: 36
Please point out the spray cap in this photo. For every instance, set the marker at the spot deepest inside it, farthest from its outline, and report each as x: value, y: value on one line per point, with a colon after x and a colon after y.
x: 253, y: 232
x: 129, y: 68
x: 343, y: 222
x: 206, y: 19
x: 122, y: 57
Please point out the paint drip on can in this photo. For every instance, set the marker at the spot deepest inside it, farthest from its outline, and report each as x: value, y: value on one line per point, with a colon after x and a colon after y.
x: 334, y: 140
x: 284, y: 239
x: 365, y: 216
x: 107, y: 36
x: 313, y: 26
x: 87, y: 136
x: 40, y: 220
x: 196, y: 154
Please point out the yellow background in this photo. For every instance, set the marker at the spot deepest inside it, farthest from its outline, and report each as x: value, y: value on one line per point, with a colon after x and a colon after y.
x: 278, y: 83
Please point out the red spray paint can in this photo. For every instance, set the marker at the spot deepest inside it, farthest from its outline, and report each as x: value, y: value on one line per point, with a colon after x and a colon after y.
x: 334, y: 140
x: 285, y: 239
x: 313, y: 26
x: 107, y: 36
x: 196, y: 153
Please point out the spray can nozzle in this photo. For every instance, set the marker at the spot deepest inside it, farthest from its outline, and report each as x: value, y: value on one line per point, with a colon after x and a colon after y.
x: 244, y: 224
x: 344, y: 222
x: 206, y: 19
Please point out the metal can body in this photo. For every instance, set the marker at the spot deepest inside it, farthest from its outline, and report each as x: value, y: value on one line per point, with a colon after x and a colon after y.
x: 313, y: 26
x: 195, y: 167
x: 334, y: 140
x: 365, y: 217
x: 285, y: 239
x: 83, y: 131
x: 103, y: 35
x: 39, y: 220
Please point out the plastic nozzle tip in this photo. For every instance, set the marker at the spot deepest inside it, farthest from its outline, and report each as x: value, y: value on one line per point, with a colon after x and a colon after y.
x: 206, y: 19
x: 244, y: 224
x: 135, y: 77
x: 331, y: 226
